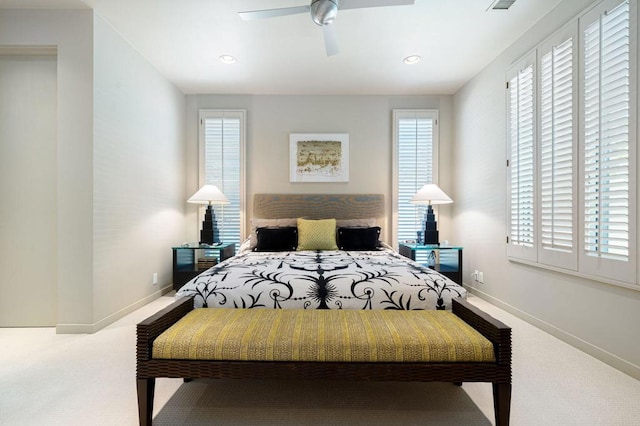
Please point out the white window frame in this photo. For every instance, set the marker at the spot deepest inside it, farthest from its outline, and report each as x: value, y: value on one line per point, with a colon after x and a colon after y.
x: 403, y: 114
x: 222, y: 113
x: 577, y: 262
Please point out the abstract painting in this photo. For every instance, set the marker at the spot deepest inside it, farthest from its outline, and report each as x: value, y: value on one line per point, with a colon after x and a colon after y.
x: 319, y: 157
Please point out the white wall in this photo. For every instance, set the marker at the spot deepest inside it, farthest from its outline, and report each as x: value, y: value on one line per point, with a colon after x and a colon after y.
x: 596, y: 317
x: 111, y: 236
x: 139, y: 175
x: 72, y: 33
x: 270, y: 119
x: 27, y: 210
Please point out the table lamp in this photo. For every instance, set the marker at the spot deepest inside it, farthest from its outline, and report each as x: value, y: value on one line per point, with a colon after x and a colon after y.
x: 430, y: 194
x: 209, y: 194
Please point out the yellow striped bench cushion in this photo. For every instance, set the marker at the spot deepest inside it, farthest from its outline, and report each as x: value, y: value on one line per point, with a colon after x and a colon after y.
x: 322, y: 335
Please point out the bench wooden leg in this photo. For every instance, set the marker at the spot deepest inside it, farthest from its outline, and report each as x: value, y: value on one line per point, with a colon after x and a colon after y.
x: 146, y: 389
x: 502, y: 403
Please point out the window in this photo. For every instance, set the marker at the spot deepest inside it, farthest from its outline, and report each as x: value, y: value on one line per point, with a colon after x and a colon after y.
x: 558, y: 150
x: 415, y: 164
x: 572, y: 153
x: 607, y: 162
x: 521, y: 143
x: 222, y: 136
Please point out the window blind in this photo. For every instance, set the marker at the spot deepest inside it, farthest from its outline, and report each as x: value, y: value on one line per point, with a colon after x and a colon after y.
x: 557, y: 194
x: 606, y: 135
x: 222, y: 149
x: 415, y: 144
x: 571, y: 138
x: 521, y: 164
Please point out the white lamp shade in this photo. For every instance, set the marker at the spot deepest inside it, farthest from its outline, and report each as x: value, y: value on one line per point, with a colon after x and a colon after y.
x: 208, y: 194
x: 431, y: 194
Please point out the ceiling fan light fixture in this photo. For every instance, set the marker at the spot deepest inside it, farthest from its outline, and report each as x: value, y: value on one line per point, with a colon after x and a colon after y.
x: 324, y: 12
x: 228, y: 59
x: 413, y: 59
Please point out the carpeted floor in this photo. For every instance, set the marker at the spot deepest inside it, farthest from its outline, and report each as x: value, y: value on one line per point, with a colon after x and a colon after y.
x: 49, y: 379
x: 290, y: 402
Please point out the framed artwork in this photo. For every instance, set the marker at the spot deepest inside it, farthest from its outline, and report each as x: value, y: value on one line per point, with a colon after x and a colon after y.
x: 319, y: 157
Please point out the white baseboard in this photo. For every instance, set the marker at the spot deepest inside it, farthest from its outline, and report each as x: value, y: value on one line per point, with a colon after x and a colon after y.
x: 599, y: 353
x: 92, y: 328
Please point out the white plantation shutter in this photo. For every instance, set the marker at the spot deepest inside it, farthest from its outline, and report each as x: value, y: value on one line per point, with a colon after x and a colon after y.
x: 608, y: 158
x: 415, y: 147
x: 572, y: 148
x: 222, y: 148
x: 557, y: 138
x: 521, y: 164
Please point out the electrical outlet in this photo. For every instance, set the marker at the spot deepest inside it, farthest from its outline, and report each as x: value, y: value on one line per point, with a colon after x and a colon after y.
x: 155, y: 278
x: 481, y: 277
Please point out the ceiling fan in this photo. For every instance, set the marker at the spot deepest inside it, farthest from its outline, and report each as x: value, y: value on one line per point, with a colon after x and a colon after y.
x: 323, y: 13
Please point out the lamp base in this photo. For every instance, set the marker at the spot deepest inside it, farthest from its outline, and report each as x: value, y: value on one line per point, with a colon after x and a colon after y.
x: 431, y: 237
x: 209, y: 233
x: 431, y: 234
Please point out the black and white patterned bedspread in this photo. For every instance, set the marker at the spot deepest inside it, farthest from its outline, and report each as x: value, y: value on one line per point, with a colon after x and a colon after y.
x: 322, y: 280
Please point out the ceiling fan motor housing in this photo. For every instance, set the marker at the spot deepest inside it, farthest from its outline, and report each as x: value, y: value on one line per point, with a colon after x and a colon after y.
x: 323, y: 12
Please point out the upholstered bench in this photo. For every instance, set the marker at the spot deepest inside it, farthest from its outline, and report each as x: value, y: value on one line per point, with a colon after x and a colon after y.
x: 458, y: 346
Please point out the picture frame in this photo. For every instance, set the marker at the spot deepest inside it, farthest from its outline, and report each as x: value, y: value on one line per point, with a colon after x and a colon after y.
x: 319, y: 157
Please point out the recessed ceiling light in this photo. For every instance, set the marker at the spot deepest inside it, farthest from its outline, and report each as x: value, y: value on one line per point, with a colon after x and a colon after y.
x: 228, y: 59
x: 413, y: 59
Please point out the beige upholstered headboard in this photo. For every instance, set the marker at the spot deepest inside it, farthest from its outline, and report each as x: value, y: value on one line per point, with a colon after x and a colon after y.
x: 321, y: 206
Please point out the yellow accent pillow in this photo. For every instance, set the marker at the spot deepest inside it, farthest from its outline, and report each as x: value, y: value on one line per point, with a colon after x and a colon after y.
x: 317, y: 234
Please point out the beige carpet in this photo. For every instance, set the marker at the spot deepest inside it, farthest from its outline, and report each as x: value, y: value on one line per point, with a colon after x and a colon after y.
x: 290, y: 402
x: 85, y: 380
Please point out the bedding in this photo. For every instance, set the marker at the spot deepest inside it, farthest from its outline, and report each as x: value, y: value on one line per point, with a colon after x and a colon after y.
x: 336, y: 279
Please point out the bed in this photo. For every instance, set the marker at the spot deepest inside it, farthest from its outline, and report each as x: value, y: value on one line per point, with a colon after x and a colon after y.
x: 355, y: 275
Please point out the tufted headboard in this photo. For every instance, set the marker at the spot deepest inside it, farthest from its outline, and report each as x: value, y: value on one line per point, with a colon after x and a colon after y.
x: 321, y: 206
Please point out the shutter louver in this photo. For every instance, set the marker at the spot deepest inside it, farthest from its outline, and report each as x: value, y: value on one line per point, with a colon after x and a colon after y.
x: 556, y: 149
x: 521, y: 135
x: 222, y: 165
x: 415, y: 138
x: 606, y: 135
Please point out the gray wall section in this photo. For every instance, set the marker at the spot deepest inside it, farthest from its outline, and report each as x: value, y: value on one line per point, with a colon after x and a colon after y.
x: 271, y: 118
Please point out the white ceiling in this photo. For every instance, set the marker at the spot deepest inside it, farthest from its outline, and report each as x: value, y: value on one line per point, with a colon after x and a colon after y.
x: 184, y: 39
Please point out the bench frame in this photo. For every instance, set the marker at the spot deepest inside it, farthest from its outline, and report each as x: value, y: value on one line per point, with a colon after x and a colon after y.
x: 497, y: 373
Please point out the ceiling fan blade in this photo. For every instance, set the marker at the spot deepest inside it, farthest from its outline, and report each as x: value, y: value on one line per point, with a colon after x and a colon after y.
x: 272, y: 13
x: 360, y: 4
x: 330, y: 40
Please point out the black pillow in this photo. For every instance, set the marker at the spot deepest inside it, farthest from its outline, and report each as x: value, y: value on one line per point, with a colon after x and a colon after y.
x: 358, y: 238
x: 277, y: 239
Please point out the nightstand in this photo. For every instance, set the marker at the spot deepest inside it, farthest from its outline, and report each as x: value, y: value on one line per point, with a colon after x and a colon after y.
x: 445, y: 259
x: 192, y: 259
